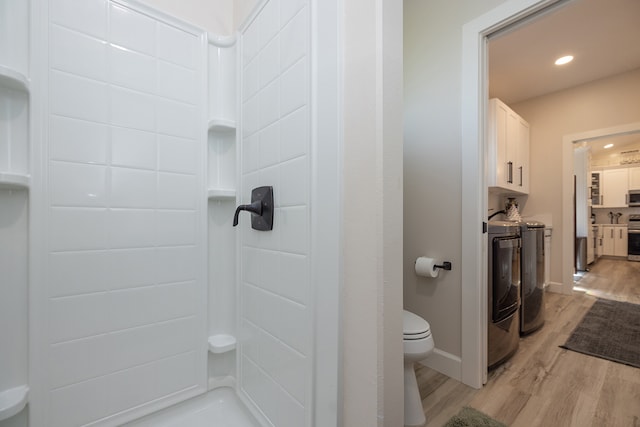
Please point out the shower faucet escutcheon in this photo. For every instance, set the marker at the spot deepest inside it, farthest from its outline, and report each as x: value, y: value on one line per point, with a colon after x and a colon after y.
x: 261, y: 209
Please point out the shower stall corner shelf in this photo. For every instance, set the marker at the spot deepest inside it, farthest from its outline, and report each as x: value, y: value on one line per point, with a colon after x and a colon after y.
x: 221, y: 194
x: 221, y: 343
x: 13, y: 401
x: 13, y: 181
x: 12, y: 79
x: 222, y: 125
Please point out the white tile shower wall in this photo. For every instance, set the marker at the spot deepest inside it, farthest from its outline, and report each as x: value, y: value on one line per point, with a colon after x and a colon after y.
x: 275, y: 307
x: 125, y: 187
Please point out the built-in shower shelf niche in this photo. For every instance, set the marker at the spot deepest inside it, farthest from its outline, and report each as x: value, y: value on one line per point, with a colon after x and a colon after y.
x: 221, y: 194
x: 13, y: 401
x: 13, y: 79
x: 222, y: 158
x: 14, y: 181
x: 222, y: 125
x: 222, y: 78
x: 222, y: 356
x: 222, y: 162
x: 14, y: 128
x: 222, y: 343
x: 15, y: 88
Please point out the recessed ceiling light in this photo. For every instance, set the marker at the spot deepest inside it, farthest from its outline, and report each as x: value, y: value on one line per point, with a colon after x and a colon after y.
x: 564, y: 60
x: 608, y: 146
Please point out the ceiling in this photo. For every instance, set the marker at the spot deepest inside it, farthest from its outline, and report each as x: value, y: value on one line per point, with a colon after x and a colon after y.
x: 602, y: 35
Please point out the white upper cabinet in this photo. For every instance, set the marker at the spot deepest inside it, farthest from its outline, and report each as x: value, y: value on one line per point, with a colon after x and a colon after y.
x: 615, y: 186
x: 522, y: 158
x: 596, y: 188
x: 508, y: 148
x: 634, y: 178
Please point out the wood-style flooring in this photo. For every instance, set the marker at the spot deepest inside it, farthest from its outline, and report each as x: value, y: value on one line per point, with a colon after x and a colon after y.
x: 544, y: 385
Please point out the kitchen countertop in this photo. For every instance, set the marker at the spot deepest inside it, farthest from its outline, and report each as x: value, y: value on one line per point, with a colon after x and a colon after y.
x: 613, y: 225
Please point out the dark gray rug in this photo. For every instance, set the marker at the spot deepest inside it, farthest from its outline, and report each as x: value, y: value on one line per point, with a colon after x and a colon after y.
x: 610, y: 330
x: 469, y: 417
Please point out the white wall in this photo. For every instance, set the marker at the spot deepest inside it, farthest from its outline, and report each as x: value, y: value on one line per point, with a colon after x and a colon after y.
x: 601, y: 104
x: 367, y: 302
x: 277, y: 304
x: 214, y: 16
x: 372, y: 161
x: 242, y: 9
x: 123, y: 220
x: 432, y: 164
x: 581, y: 170
x: 373, y: 356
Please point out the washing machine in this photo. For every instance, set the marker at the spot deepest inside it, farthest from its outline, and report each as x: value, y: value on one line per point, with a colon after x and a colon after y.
x: 503, y: 291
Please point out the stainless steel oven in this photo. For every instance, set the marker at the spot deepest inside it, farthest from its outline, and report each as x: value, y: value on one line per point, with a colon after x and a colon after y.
x: 633, y: 247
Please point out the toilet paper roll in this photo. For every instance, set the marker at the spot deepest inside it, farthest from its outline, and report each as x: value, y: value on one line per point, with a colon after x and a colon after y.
x: 425, y: 267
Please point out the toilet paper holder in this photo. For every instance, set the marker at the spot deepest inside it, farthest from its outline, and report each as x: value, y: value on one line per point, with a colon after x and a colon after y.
x: 429, y: 267
x: 446, y: 265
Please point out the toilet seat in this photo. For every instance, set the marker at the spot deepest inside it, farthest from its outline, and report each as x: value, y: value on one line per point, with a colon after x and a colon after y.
x: 414, y: 327
x: 417, y: 344
x: 420, y: 336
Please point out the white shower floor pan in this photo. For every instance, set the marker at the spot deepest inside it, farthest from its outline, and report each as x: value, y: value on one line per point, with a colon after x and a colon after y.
x: 219, y: 407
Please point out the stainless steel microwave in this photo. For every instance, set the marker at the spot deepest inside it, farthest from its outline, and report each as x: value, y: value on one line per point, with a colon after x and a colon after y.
x: 634, y: 198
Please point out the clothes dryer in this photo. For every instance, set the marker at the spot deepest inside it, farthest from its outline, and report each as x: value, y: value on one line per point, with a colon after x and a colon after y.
x: 532, y: 276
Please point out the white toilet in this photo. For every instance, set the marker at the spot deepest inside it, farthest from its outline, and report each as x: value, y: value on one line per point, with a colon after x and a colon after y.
x: 418, y: 344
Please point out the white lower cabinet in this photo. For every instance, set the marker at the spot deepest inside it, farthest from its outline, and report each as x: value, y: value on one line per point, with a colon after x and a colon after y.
x: 600, y: 241
x: 614, y: 240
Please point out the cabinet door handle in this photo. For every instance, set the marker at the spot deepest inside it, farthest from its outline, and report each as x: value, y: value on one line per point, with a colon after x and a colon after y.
x: 510, y: 169
x: 621, y: 233
x: 601, y: 198
x: 612, y: 233
x: 520, y: 175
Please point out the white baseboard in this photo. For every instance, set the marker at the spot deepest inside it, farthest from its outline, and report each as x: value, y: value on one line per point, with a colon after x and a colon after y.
x: 555, y: 287
x: 445, y: 363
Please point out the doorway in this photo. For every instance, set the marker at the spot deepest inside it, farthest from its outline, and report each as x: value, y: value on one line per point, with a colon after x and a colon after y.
x: 475, y: 95
x: 568, y: 144
x: 474, y: 188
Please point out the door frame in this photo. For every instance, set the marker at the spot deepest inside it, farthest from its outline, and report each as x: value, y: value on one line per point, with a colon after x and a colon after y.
x: 474, y: 187
x: 568, y: 221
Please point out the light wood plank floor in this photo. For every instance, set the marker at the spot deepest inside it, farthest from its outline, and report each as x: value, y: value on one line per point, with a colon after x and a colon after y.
x: 544, y: 385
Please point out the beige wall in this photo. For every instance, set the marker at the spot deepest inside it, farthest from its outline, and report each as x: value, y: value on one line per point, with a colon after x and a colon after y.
x: 432, y: 153
x: 432, y: 159
x: 605, y: 103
